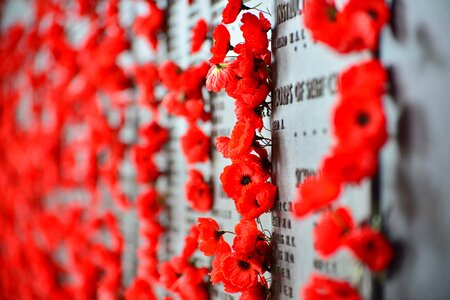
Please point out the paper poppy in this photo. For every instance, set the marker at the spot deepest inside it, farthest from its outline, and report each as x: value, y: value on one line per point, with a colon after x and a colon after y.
x: 314, y: 193
x: 371, y: 247
x: 256, y: 200
x: 241, y: 174
x: 198, y: 192
x: 195, y: 145
x: 198, y: 35
x: 321, y: 287
x: 210, y: 235
x: 331, y: 229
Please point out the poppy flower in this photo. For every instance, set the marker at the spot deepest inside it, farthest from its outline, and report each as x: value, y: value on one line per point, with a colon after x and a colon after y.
x: 330, y: 230
x: 174, y: 102
x: 360, y: 118
x: 240, y: 174
x: 150, y: 24
x: 350, y: 163
x: 147, y: 170
x: 198, y: 35
x: 256, y: 200
x: 232, y: 10
x: 314, y: 193
x: 195, y: 145
x: 324, y: 21
x: 170, y: 272
x: 170, y: 75
x: 354, y: 28
x: 252, y: 115
x: 240, y: 142
x: 256, y: 292
x: 147, y: 204
x: 221, y: 45
x: 253, y: 98
x: 246, y: 235
x: 364, y: 20
x: 241, y: 270
x: 146, y: 77
x: 139, y: 289
x: 367, y: 78
x: 194, y: 109
x: 193, y: 79
x: 198, y: 192
x: 156, y: 136
x: 321, y: 287
x: 190, y: 243
x: 371, y: 247
x: 210, y: 235
x: 217, y: 275
x: 254, y: 31
x: 219, y: 75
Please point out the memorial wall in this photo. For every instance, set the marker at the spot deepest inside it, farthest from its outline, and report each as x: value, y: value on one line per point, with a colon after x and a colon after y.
x: 220, y: 149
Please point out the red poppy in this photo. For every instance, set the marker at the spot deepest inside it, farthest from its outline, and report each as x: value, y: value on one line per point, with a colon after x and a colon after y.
x: 190, y: 243
x: 371, y: 247
x: 146, y: 78
x: 240, y: 142
x: 360, y: 118
x: 364, y: 19
x: 241, y: 174
x: 350, y: 163
x: 314, y: 193
x: 253, y: 115
x: 246, y: 236
x: 210, y: 235
x: 198, y: 192
x: 232, y: 10
x: 170, y: 272
x: 356, y: 27
x: 254, y: 97
x: 259, y: 291
x: 195, y: 145
x: 217, y: 275
x: 256, y: 200
x: 324, y: 21
x: 193, y: 79
x: 149, y: 25
x: 194, y: 110
x: 174, y: 102
x: 170, y: 75
x: 147, y: 204
x: 241, y: 270
x: 331, y: 229
x: 198, y: 35
x: 321, y: 288
x: 368, y: 78
x: 254, y: 31
x: 139, y: 289
x: 219, y: 50
x: 156, y: 136
x: 147, y: 170
x: 219, y: 75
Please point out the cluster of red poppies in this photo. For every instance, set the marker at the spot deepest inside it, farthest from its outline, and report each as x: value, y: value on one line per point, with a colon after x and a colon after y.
x: 148, y: 203
x: 246, y: 79
x: 57, y: 139
x: 359, y: 127
x: 185, y: 99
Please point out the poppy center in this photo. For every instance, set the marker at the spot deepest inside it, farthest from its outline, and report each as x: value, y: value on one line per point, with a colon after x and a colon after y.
x: 332, y: 13
x: 362, y: 118
x: 373, y: 14
x: 243, y: 265
x: 370, y: 245
x: 246, y: 180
